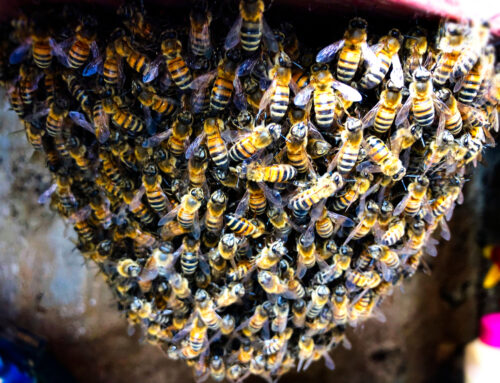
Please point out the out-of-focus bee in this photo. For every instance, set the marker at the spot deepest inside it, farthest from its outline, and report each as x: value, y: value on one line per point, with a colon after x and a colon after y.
x: 78, y: 92
x: 190, y: 258
x: 362, y: 279
x: 28, y: 82
x: 135, y: 59
x: 416, y: 46
x: 389, y: 164
x: 151, y: 180
x: 340, y: 305
x: 413, y: 201
x: 306, y: 350
x: 280, y: 321
x: 387, y: 53
x: 422, y: 100
x: 16, y: 100
x: 34, y: 134
x: 250, y: 27
x: 382, y: 115
x: 199, y: 31
x: 353, y: 49
x: 112, y: 71
x: 137, y: 208
x: 367, y: 219
x: 84, y: 43
x: 322, y: 86
x: 217, y: 368
x: 362, y: 308
x: 261, y: 137
x: 324, y: 187
x: 55, y: 119
x: 278, y: 92
x: 78, y: 152
x: 319, y: 298
x: 197, y: 339
x: 123, y: 118
x: 450, y: 46
x: 216, y: 207
x: 100, y: 208
x: 472, y: 50
x: 42, y: 47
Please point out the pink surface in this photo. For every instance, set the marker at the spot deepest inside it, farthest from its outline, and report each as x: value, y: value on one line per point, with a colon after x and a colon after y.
x: 489, y: 332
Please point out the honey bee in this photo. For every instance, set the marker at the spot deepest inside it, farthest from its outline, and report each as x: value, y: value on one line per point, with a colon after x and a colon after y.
x: 28, y: 82
x: 84, y: 43
x: 100, y: 207
x: 360, y: 187
x: 413, y: 201
x: 217, y: 368
x: 278, y: 93
x: 280, y: 321
x: 155, y: 195
x: 135, y: 59
x: 395, y: 231
x: 197, y: 339
x: 306, y: 350
x: 16, y: 100
x: 353, y: 49
x: 34, y: 134
x: 42, y: 46
x: 229, y: 295
x: 260, y: 138
x: 216, y: 207
x: 199, y: 31
x: 450, y: 46
x: 241, y: 271
x: 257, y: 172
x: 319, y: 298
x: 324, y: 187
x: 187, y: 211
x: 296, y: 147
x: 280, y: 221
x: 322, y: 86
x: 469, y: 85
x: 122, y: 118
x: 55, y: 119
x: 190, y: 257
x: 270, y: 255
x: 405, y: 136
x: 473, y: 48
x: 159, y: 104
x: 367, y: 219
x: 349, y: 151
x: 438, y: 149
x: 250, y: 28
x: 340, y: 305
x: 112, y: 67
x: 416, y: 46
x: 389, y: 164
x: 317, y: 148
x: 171, y: 49
x: 128, y: 268
x: 386, y: 52
x: 382, y: 115
x: 242, y: 226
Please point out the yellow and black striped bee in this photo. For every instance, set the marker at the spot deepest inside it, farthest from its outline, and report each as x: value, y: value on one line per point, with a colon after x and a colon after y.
x: 225, y: 81
x: 159, y: 104
x: 151, y: 180
x: 55, y: 119
x: 349, y: 151
x: 190, y: 256
x: 242, y: 226
x: 450, y: 46
x: 250, y: 27
x: 197, y: 166
x: 28, y: 82
x: 390, y: 164
x: 215, y: 144
x: 199, y: 31
x: 322, y: 188
x: 382, y: 115
x: 122, y: 118
x: 181, y: 75
x: 261, y: 137
x: 84, y: 43
x: 216, y: 207
x: 135, y: 59
x: 416, y: 47
x: 453, y: 121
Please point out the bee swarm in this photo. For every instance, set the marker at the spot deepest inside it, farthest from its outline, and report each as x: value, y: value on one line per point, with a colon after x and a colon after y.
x: 245, y: 199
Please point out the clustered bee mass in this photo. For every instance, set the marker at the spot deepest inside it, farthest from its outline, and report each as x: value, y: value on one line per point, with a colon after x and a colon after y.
x: 246, y: 199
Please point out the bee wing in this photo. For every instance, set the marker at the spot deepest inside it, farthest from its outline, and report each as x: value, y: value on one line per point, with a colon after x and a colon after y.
x: 196, y: 226
x: 246, y: 67
x: 194, y: 145
x: 404, y: 111
x: 200, y: 83
x: 268, y: 36
x: 397, y: 74
x: 157, y: 139
x: 239, y: 97
x: 95, y: 65
x: 44, y: 197
x: 266, y: 97
x: 488, y: 138
x: 314, y: 132
x: 348, y: 92
x: 445, y: 230
x: 37, y: 114
x: 80, y: 120
x: 353, y: 232
x: 169, y: 216
x: 308, y: 362
x: 294, y: 87
x: 341, y: 219
x: 137, y: 197
x: 370, y: 115
x: 302, y: 98
x: 242, y: 205
x: 148, y: 274
x: 20, y: 52
x: 273, y: 196
x: 233, y: 37
x: 80, y: 215
x: 58, y: 51
x: 326, y: 54
x: 328, y: 361
x: 369, y: 56
x: 154, y: 68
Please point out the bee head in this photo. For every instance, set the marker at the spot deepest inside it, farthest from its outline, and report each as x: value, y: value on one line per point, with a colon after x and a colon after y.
x: 299, y: 131
x: 443, y: 94
x: 150, y: 169
x: 197, y: 194
x: 393, y: 87
x: 358, y: 23
x: 185, y: 117
x: 421, y: 75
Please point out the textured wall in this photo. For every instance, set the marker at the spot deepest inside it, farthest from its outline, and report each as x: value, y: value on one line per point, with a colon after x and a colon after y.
x: 45, y: 287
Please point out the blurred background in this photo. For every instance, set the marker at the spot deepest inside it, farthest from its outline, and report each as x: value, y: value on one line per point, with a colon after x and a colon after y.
x: 47, y: 290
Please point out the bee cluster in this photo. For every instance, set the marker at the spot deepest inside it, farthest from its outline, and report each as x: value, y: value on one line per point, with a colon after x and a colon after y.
x: 249, y: 201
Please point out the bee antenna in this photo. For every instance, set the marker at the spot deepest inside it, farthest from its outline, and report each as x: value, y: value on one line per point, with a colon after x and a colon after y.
x: 297, y: 65
x: 404, y: 185
x: 286, y: 139
x: 422, y: 141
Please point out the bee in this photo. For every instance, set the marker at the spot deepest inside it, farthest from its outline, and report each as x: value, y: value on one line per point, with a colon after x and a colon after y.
x: 278, y: 93
x: 416, y: 237
x: 109, y: 167
x: 245, y: 352
x: 216, y: 207
x: 319, y: 298
x: 135, y: 59
x: 260, y: 138
x: 450, y: 46
x: 360, y: 187
x: 353, y: 49
x: 340, y: 305
x: 122, y: 118
x: 28, y: 82
x: 438, y: 149
x: 242, y: 226
x: 187, y: 211
x: 390, y: 165
x: 257, y: 201
x: 171, y: 49
x: 112, y: 71
x: 367, y: 219
x: 257, y: 320
x: 199, y: 31
x: 413, y: 201
x: 362, y: 308
x: 387, y: 55
x: 299, y: 309
x: 100, y: 207
x: 180, y: 286
x: 216, y: 145
x: 362, y: 279
x: 317, y: 148
x: 296, y: 147
x: 77, y: 92
x: 280, y: 321
x: 159, y: 104
x: 270, y: 255
x: 469, y: 85
x: 197, y: 166
x: 382, y: 115
x: 395, y: 231
x: 84, y: 43
x: 217, y: 368
x: 271, y: 283
x: 280, y: 221
x: 81, y: 225
x: 197, y: 339
x: 42, y: 47
x: 405, y: 136
x: 250, y: 27
x: 240, y: 272
x: 16, y: 100
x: 227, y: 247
x: 34, y: 134
x: 474, y: 46
x: 155, y: 195
x: 322, y: 86
x: 128, y: 268
x: 349, y: 151
x: 229, y: 294
x: 324, y: 187
x: 189, y: 256
x: 55, y: 119
x: 416, y: 47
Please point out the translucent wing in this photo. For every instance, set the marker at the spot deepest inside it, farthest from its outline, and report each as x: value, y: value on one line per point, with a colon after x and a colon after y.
x: 269, y: 38
x: 267, y: 97
x: 239, y: 97
x: 101, y: 122
x: 93, y: 67
x: 328, y: 361
x: 157, y: 139
x: 19, y: 53
x: 80, y: 120
x: 154, y: 68
x: 348, y: 92
x: 200, y: 83
x: 341, y: 219
x: 273, y: 196
x: 233, y: 37
x: 326, y: 54
x: 137, y: 197
x: 194, y: 145
x: 169, y: 216
x: 397, y: 74
x: 58, y: 51
x: 246, y: 67
x: 404, y: 111
x: 243, y: 205
x: 303, y: 97
x: 44, y: 197
x: 369, y: 57
x: 369, y: 117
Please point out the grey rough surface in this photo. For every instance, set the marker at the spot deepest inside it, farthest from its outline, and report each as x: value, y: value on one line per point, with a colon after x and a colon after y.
x: 45, y: 287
